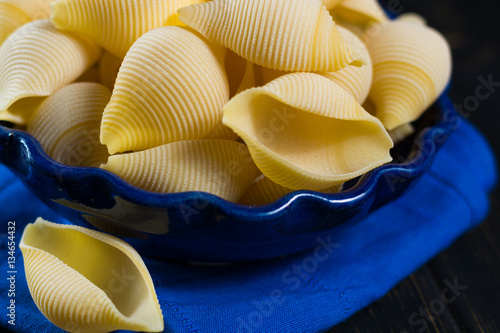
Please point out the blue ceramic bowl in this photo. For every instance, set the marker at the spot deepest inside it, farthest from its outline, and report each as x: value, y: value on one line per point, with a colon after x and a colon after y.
x: 203, y: 227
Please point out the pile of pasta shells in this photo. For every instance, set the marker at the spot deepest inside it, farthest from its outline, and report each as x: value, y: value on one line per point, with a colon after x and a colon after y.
x: 245, y: 99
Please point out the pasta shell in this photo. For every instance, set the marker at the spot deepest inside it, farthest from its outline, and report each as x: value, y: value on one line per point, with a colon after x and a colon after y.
x: 67, y: 124
x: 103, y: 21
x: 264, y: 191
x: 360, y: 12
x: 90, y: 75
x: 21, y: 111
x: 37, y: 59
x: 240, y: 73
x: 87, y: 281
x: 170, y: 87
x: 11, y: 18
x: 329, y: 4
x: 412, y: 18
x: 109, y: 65
x: 295, y: 35
x: 306, y: 132
x: 411, y: 67
x: 220, y: 167
x: 356, y: 80
x: 33, y: 9
x: 401, y: 132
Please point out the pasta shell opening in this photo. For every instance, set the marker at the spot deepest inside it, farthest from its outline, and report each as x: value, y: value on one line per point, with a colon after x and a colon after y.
x: 86, y: 281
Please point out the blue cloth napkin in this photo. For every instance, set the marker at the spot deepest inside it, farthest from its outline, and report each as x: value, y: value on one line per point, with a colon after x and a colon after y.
x: 307, y: 292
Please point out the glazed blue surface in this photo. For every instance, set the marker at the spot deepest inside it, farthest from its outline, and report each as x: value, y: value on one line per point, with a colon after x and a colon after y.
x: 203, y: 227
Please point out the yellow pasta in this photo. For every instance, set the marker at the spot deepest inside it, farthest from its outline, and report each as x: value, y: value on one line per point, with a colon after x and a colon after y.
x: 306, y: 132
x: 220, y: 167
x: 67, y: 124
x: 37, y: 59
x: 11, y: 18
x: 33, y: 9
x: 412, y: 65
x: 109, y: 65
x: 401, y: 132
x: 90, y: 75
x: 361, y: 12
x: 412, y: 18
x: 329, y: 4
x: 116, y: 25
x: 240, y: 73
x: 294, y: 35
x: 356, y: 80
x: 264, y: 191
x: 171, y: 87
x: 87, y: 281
x: 21, y: 111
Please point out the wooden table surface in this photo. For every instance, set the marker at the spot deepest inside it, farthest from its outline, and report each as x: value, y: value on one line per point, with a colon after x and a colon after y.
x: 416, y: 303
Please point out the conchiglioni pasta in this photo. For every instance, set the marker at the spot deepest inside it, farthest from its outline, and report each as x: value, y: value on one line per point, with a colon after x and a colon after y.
x: 264, y: 191
x: 11, y: 18
x: 171, y: 86
x: 329, y: 4
x: 360, y: 12
x: 72, y: 276
x: 411, y: 67
x: 67, y: 124
x: 294, y: 35
x: 116, y: 25
x: 21, y: 111
x: 220, y: 167
x: 306, y: 132
x: 37, y: 59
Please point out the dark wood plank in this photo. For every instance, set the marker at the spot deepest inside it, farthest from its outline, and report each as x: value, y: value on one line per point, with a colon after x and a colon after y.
x: 405, y: 309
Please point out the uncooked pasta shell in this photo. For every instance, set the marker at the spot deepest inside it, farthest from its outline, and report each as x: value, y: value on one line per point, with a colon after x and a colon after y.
x: 37, y: 59
x: 86, y: 281
x: 116, y: 25
x: 171, y: 86
x: 360, y: 12
x: 21, y: 111
x: 264, y: 191
x: 329, y: 4
x: 401, y: 132
x: 67, y: 124
x: 356, y: 80
x: 11, y: 18
x: 306, y: 132
x: 295, y: 35
x: 411, y: 67
x: 220, y: 167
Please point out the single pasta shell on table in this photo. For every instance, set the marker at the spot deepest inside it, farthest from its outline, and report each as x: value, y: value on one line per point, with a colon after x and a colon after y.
x: 109, y: 65
x: 87, y: 281
x: 103, y: 21
x: 356, y: 80
x: 37, y: 59
x: 33, y: 9
x: 306, y: 132
x: 171, y: 87
x: 11, y: 18
x: 294, y: 35
x: 21, y: 111
x: 221, y: 167
x: 411, y: 67
x: 360, y: 12
x: 264, y: 191
x: 67, y: 124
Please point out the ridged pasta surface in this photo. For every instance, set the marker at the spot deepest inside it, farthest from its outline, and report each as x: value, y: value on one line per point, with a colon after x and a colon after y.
x: 171, y: 86
x: 116, y: 25
x: 86, y: 281
x: 356, y: 80
x: 11, y: 18
x: 360, y: 11
x: 306, y: 132
x: 37, y: 59
x: 294, y: 35
x: 220, y: 167
x: 264, y: 191
x: 67, y: 124
x: 412, y: 65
